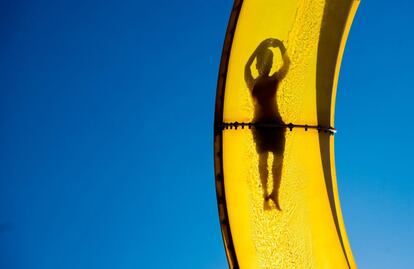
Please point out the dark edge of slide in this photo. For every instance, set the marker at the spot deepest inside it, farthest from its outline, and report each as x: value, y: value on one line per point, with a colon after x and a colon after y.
x: 218, y: 137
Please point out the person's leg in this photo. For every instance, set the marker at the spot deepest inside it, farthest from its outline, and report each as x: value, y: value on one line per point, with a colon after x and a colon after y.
x: 277, y: 177
x: 264, y: 173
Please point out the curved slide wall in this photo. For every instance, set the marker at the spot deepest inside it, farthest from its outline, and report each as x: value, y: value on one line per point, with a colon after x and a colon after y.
x: 273, y: 140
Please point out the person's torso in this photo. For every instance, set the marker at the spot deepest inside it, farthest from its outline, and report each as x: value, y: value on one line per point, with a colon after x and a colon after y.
x: 265, y: 103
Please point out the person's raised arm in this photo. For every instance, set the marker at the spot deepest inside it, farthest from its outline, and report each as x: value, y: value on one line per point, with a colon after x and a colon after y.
x: 286, y: 61
x: 247, y: 69
x: 248, y: 72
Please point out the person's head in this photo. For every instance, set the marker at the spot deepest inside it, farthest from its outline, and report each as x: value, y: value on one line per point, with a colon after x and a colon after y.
x: 264, y: 62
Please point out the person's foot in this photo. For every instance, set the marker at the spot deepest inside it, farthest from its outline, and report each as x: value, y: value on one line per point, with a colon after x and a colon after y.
x: 275, y: 199
x: 266, y: 204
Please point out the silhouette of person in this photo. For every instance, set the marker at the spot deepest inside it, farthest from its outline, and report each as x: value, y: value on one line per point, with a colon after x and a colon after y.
x: 263, y: 90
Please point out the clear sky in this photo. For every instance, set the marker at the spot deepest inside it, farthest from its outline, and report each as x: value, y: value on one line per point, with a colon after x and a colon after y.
x: 106, y: 120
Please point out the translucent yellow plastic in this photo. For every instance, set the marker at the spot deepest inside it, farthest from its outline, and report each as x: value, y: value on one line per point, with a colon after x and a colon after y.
x: 308, y: 230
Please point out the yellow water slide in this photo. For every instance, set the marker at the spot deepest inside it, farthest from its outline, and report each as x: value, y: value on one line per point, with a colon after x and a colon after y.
x: 274, y: 134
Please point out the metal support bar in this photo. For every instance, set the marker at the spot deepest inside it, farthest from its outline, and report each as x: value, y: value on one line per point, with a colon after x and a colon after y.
x: 290, y: 126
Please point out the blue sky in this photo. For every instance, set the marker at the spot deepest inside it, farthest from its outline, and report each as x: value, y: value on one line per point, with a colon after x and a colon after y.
x: 106, y: 112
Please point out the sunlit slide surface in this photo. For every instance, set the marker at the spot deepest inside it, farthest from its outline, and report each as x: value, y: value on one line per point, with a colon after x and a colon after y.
x: 274, y: 132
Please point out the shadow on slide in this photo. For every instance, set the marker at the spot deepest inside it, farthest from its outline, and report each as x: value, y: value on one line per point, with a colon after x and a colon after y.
x: 263, y: 90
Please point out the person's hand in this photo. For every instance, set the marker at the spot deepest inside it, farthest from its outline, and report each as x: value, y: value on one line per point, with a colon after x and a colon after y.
x: 274, y: 43
x: 267, y: 43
